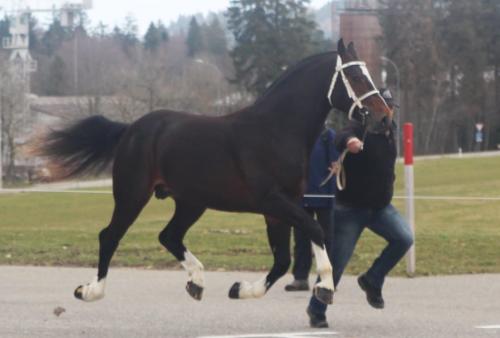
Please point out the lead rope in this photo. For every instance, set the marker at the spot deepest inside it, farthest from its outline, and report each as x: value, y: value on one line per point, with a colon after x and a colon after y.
x: 339, y: 169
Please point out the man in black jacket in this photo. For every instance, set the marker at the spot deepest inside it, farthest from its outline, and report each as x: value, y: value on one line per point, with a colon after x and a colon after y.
x: 365, y: 202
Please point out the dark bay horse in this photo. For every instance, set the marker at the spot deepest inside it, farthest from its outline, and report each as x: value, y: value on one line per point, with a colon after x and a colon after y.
x: 253, y: 161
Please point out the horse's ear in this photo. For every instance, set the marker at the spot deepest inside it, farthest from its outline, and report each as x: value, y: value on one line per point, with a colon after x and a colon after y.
x: 351, y: 50
x: 341, y: 47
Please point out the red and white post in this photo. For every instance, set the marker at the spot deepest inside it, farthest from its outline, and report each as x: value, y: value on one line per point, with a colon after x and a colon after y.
x: 409, y: 189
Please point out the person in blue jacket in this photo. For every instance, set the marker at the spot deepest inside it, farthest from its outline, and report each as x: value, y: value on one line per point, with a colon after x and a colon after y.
x: 318, y: 202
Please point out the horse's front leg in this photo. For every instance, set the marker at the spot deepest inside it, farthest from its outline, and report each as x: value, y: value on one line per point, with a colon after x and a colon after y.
x: 284, y: 208
x: 278, y: 234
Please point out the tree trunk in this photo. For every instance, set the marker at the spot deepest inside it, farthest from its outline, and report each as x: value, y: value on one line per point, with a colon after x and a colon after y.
x: 11, y: 164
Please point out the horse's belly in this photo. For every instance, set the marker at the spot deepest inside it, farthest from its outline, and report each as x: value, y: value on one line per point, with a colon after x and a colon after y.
x: 221, y: 190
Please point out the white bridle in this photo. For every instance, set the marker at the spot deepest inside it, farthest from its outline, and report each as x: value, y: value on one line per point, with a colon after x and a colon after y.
x: 357, y: 101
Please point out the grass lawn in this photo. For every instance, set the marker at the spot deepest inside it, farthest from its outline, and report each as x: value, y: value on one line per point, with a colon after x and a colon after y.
x: 452, y: 236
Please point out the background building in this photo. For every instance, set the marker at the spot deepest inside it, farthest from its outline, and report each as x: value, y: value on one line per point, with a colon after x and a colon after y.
x: 358, y: 22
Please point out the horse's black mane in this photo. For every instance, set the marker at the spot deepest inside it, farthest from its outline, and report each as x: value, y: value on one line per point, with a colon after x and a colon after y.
x: 292, y: 69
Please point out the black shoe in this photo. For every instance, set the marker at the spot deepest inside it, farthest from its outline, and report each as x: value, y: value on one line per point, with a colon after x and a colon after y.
x: 316, y: 321
x: 373, y: 294
x: 298, y: 285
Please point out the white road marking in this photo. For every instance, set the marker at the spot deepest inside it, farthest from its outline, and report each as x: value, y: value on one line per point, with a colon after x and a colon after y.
x: 280, y: 335
x: 451, y: 198
x: 489, y: 327
x: 51, y: 191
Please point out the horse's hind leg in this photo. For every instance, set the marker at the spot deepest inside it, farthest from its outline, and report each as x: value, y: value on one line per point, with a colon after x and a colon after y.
x: 278, y: 234
x: 171, y: 237
x: 130, y: 199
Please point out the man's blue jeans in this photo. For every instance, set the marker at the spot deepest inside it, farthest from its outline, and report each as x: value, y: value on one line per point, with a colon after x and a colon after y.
x: 348, y: 225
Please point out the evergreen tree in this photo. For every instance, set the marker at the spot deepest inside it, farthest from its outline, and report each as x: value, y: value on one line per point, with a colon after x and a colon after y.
x: 215, y: 38
x: 320, y: 43
x: 57, y: 80
x: 151, y: 39
x: 34, y: 41
x: 155, y: 36
x: 4, y: 28
x: 270, y: 35
x: 194, y: 39
x: 127, y: 36
x: 53, y: 38
x: 163, y: 32
x: 101, y: 30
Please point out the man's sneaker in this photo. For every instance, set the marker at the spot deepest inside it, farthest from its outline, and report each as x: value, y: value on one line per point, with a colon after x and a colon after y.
x: 298, y: 285
x: 373, y: 294
x: 316, y: 321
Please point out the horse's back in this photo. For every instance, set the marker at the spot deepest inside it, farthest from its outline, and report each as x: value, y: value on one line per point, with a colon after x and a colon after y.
x: 193, y: 156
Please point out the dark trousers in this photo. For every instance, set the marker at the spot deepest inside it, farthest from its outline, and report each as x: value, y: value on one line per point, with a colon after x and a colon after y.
x: 302, y: 252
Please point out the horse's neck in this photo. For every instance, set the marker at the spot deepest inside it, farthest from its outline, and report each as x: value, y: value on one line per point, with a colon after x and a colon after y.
x: 302, y: 115
x: 296, y: 106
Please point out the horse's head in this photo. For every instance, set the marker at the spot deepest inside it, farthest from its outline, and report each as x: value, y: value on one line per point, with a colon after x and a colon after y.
x: 363, y: 95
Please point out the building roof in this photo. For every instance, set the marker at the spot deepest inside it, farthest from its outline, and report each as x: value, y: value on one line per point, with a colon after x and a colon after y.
x: 71, y: 107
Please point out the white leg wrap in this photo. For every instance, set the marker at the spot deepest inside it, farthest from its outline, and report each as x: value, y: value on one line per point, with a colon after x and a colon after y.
x: 194, y: 268
x: 324, y: 267
x: 253, y: 290
x: 94, y: 290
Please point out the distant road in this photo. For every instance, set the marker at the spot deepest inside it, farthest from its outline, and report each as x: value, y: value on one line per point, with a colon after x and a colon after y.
x: 141, y: 303
x: 481, y: 154
x: 102, y: 183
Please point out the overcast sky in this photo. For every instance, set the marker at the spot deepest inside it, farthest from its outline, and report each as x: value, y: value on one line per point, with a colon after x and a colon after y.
x: 113, y: 12
x: 146, y: 11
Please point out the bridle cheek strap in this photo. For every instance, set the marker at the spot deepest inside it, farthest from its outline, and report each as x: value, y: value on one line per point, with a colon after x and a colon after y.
x: 338, y: 68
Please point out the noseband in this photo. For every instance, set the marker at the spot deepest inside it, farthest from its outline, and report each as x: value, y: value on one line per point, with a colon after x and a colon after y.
x: 357, y: 101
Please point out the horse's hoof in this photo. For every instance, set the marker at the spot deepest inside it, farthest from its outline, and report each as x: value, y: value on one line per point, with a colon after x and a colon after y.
x: 79, y: 292
x: 324, y: 295
x: 161, y: 192
x: 194, y: 290
x: 234, y: 292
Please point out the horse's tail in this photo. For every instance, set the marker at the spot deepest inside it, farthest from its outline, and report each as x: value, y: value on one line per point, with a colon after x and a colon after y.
x: 84, y: 147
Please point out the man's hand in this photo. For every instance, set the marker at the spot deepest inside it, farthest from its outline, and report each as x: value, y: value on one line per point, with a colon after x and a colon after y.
x: 354, y: 145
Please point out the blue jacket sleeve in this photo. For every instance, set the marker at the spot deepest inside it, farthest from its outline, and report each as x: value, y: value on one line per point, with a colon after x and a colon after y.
x: 333, y: 153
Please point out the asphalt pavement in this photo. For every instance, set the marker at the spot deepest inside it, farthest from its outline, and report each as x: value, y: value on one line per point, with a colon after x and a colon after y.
x: 38, y: 302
